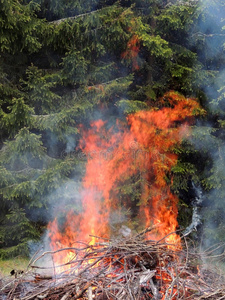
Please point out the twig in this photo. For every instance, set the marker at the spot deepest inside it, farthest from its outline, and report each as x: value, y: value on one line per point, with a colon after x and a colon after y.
x: 132, y: 268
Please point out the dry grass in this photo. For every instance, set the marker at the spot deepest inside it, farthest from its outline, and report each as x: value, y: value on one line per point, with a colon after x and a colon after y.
x: 18, y: 263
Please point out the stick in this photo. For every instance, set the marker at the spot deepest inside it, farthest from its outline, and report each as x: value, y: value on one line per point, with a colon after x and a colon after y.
x: 66, y: 296
x: 90, y: 293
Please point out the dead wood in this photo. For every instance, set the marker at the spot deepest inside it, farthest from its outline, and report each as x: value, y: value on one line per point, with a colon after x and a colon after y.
x: 131, y: 268
x: 43, y: 277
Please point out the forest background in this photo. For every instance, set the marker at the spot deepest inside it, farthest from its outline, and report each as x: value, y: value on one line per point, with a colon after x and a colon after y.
x: 64, y: 63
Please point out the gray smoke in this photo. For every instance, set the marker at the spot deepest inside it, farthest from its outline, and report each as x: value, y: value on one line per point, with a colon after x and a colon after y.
x: 196, y: 216
x: 208, y: 207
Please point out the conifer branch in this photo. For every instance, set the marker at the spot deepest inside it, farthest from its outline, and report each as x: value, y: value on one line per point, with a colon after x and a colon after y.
x: 108, y: 82
x: 208, y: 35
x: 57, y: 22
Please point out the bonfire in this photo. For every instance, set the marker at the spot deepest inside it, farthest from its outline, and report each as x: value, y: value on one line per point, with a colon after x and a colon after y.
x: 88, y: 261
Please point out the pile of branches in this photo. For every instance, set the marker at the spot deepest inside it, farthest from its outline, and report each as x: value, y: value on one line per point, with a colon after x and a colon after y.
x: 131, y: 268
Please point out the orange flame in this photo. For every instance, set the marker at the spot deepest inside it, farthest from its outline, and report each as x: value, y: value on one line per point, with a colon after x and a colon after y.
x: 114, y: 154
x: 131, y: 53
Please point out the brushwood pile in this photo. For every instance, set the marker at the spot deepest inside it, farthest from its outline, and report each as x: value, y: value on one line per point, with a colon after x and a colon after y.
x: 132, y: 268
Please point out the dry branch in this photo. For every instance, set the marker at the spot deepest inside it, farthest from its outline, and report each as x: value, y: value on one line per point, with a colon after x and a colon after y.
x: 132, y: 268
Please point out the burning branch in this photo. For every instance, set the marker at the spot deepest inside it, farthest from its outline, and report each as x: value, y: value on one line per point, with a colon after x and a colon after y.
x: 132, y: 268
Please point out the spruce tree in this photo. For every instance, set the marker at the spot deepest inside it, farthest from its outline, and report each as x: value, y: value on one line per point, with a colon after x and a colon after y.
x: 64, y: 63
x: 208, y: 38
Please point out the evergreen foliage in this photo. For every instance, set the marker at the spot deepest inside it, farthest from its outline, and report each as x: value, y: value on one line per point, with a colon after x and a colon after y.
x: 62, y: 62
